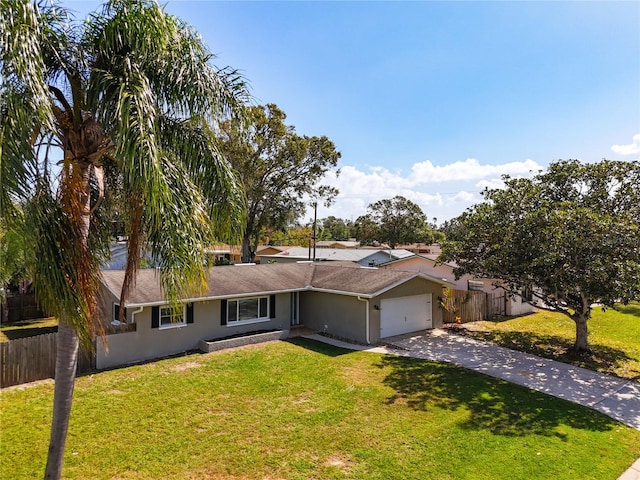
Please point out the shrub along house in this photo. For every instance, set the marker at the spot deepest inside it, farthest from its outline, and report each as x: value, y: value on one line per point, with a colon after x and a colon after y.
x: 359, y: 304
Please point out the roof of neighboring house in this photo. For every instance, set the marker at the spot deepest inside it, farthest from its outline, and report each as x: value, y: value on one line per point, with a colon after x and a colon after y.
x: 382, y: 257
x: 338, y: 243
x: 223, y: 248
x: 337, y: 254
x: 421, y: 248
x: 279, y: 248
x: 118, y: 257
x: 430, y: 258
x: 235, y: 281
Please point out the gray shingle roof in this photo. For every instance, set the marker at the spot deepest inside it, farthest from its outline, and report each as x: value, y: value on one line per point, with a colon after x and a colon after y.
x: 338, y: 254
x: 232, y: 281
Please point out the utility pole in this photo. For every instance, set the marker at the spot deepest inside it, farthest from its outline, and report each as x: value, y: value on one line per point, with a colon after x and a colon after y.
x: 315, y: 221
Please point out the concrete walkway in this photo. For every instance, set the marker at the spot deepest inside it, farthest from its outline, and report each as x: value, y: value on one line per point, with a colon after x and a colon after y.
x: 615, y: 397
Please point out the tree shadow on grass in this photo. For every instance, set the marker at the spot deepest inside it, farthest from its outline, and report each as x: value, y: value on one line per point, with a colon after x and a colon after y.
x: 630, y: 309
x: 29, y: 332
x: 495, y: 405
x: 319, y: 347
x: 601, y: 358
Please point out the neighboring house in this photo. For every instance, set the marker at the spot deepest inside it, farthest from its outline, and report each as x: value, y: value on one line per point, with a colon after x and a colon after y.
x: 366, y: 257
x: 431, y: 250
x: 270, y: 250
x: 118, y: 257
x: 359, y: 304
x: 504, y: 303
x: 217, y: 253
x: 223, y: 252
x: 337, y: 244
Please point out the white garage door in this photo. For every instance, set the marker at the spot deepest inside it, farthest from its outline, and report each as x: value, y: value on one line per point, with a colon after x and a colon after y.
x: 405, y: 314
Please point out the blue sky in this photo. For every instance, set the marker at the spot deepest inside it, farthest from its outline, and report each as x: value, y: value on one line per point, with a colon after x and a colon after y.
x: 436, y: 100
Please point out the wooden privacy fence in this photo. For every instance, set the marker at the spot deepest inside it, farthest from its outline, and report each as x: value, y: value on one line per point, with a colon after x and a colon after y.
x: 462, y: 306
x: 34, y: 358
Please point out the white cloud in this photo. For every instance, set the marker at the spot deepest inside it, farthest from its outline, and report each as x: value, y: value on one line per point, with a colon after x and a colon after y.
x: 465, y: 197
x: 470, y: 169
x: 443, y: 191
x: 631, y: 149
x: 490, y: 184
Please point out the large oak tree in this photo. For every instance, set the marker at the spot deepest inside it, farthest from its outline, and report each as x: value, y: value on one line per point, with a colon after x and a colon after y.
x: 570, y: 235
x: 123, y: 103
x: 278, y: 168
x: 398, y: 220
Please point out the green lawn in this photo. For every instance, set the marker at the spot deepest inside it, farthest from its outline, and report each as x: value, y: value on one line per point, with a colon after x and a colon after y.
x: 28, y: 328
x: 300, y: 410
x: 614, y: 337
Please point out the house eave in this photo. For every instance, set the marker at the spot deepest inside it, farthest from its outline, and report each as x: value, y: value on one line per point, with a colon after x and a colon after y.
x: 156, y: 303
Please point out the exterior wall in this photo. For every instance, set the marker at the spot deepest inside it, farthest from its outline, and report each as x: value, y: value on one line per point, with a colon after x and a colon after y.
x: 517, y: 306
x: 147, y: 343
x: 340, y: 315
x: 106, y: 299
x: 375, y: 259
x: 345, y: 316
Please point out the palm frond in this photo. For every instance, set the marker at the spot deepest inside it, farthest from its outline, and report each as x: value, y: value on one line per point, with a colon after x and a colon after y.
x: 178, y: 243
x: 194, y: 145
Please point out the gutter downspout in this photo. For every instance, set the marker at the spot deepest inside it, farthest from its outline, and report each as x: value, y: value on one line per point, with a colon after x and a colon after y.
x: 133, y: 314
x: 366, y: 300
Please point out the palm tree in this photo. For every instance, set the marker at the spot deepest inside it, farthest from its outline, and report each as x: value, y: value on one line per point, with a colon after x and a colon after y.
x: 116, y: 113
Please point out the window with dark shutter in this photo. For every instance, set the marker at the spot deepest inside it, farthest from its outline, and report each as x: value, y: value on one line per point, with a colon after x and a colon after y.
x: 223, y: 312
x: 189, y: 312
x: 272, y: 306
x: 155, y: 317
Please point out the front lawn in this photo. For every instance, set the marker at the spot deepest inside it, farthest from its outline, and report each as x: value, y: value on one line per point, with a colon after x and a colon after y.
x: 302, y: 409
x: 614, y: 338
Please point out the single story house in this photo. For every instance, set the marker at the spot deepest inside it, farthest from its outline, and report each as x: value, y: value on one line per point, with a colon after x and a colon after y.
x: 504, y: 303
x: 359, y: 304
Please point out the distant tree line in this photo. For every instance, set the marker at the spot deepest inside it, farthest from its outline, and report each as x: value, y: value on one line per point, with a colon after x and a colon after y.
x: 395, y: 221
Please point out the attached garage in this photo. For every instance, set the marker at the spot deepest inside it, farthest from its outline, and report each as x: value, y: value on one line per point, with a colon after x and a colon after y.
x: 405, y: 314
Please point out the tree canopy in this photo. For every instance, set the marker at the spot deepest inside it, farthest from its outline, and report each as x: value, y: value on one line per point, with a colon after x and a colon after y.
x: 395, y: 221
x: 571, y: 235
x: 278, y: 168
x: 124, y: 103
x: 337, y: 228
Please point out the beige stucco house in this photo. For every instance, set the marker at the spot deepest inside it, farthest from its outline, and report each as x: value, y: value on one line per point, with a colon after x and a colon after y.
x: 359, y: 304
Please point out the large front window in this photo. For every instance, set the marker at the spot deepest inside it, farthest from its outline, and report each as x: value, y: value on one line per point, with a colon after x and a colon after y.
x: 248, y: 310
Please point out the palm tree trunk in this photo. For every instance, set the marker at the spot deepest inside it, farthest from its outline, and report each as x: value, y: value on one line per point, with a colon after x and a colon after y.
x: 66, y: 364
x: 67, y: 340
